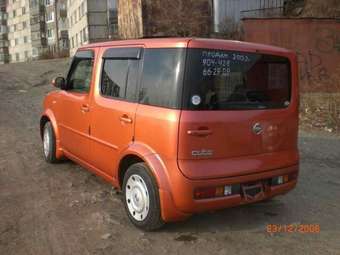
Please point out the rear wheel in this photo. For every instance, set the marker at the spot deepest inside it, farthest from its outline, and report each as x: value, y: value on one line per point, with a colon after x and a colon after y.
x: 49, y: 143
x: 141, y: 198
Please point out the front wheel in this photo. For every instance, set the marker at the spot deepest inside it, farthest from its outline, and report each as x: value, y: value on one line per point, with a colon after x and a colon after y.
x: 141, y: 198
x: 49, y: 143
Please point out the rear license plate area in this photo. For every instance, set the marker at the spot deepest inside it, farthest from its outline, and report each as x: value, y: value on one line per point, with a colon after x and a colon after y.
x: 253, y: 192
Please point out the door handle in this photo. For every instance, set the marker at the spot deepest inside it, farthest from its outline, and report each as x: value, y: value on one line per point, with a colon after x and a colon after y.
x: 85, y: 108
x: 199, y: 132
x: 125, y: 119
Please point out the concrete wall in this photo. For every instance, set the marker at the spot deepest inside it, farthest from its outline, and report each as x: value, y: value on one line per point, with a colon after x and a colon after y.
x: 164, y: 18
x: 316, y: 41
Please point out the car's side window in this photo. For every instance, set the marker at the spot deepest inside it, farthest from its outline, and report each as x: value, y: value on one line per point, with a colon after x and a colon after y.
x: 162, y: 77
x: 79, y: 78
x: 119, y: 78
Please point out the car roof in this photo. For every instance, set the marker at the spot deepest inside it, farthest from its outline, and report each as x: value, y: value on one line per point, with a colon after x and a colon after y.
x: 191, y: 42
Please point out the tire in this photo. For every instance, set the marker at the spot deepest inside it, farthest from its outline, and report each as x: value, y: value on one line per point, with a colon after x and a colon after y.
x: 49, y: 143
x: 141, y: 198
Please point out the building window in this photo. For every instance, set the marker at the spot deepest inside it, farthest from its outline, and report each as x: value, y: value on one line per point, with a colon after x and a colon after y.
x: 14, y: 28
x: 14, y: 14
x: 84, y: 35
x: 49, y: 33
x: 33, y: 3
x: 34, y: 52
x: 81, y: 37
x: 17, y: 56
x: 63, y: 43
x: 25, y: 39
x: 79, y: 11
x: 50, y: 17
x: 26, y: 55
x: 24, y: 25
x: 16, y: 41
x: 82, y: 9
x: 23, y: 10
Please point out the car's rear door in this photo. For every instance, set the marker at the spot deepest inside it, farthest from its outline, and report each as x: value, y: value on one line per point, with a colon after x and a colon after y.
x: 114, y: 105
x: 74, y: 117
x: 240, y: 114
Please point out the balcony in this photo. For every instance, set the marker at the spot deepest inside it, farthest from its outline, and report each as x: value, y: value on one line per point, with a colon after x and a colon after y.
x: 37, y: 27
x: 37, y: 10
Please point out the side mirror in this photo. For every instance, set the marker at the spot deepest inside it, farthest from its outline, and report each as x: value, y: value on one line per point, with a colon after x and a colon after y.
x: 59, y: 82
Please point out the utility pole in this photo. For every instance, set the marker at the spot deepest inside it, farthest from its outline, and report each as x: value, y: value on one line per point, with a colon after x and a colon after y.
x: 108, y: 19
x: 57, y: 25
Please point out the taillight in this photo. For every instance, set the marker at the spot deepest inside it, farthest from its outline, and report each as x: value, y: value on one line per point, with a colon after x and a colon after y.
x: 279, y: 180
x: 214, y: 192
x: 202, y: 193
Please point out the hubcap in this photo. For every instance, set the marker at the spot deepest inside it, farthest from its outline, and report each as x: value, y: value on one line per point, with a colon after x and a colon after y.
x: 137, y: 197
x: 46, y: 142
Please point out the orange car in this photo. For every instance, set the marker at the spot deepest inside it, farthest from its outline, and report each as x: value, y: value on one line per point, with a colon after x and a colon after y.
x: 180, y: 125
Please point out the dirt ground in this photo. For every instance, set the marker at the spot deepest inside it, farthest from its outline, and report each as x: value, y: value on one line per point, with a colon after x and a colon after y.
x: 63, y: 209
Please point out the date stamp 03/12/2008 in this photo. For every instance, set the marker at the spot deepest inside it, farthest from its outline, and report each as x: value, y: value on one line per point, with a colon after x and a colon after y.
x: 293, y: 228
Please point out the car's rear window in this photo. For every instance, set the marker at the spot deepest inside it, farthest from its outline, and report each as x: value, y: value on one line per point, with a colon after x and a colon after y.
x: 230, y: 80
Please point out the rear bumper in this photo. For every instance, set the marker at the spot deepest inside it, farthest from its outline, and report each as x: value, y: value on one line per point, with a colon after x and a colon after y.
x: 180, y: 203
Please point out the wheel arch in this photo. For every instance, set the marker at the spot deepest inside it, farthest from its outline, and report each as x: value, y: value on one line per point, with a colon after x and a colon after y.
x: 48, y: 116
x: 127, y: 161
x: 141, y: 153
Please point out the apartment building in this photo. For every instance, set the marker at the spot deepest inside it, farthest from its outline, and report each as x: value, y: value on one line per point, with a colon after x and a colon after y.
x: 57, y: 27
x: 4, y: 56
x: 19, y: 32
x: 91, y: 21
x: 26, y: 29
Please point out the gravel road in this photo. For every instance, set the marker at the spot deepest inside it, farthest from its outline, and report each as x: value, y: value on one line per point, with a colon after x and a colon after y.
x: 63, y: 209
